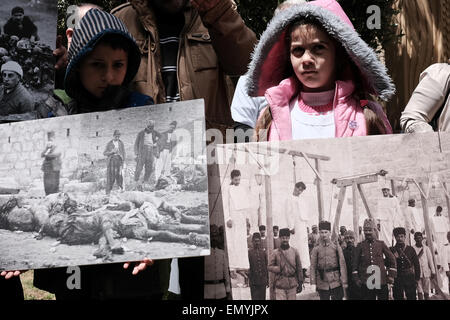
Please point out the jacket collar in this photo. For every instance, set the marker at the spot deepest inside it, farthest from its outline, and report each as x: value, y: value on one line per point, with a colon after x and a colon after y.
x: 279, y: 98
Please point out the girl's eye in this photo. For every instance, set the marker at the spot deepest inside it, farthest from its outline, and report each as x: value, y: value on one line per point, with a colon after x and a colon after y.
x: 118, y: 65
x: 319, y: 47
x: 297, y: 50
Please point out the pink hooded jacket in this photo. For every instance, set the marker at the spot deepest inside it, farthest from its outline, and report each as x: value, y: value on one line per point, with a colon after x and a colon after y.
x: 266, y: 72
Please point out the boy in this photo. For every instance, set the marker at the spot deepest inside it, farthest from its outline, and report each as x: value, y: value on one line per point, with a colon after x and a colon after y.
x: 103, y: 60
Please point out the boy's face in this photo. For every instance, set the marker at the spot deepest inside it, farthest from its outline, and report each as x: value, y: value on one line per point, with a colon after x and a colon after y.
x: 103, y: 67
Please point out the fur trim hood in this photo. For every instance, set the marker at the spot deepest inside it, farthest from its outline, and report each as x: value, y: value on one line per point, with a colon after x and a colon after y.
x: 269, y: 59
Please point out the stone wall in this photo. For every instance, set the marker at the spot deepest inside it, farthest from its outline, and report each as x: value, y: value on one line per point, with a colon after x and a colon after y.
x: 82, y: 139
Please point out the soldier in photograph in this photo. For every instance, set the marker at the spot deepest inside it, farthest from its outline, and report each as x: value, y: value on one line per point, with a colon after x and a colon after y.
x: 328, y: 268
x: 286, y: 266
x: 349, y: 249
x: 115, y: 151
x: 408, y: 267
x: 372, y: 253
x: 217, y: 277
x: 258, y: 275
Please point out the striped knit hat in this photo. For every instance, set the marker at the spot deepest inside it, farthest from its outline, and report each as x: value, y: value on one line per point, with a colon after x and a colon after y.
x: 92, y: 27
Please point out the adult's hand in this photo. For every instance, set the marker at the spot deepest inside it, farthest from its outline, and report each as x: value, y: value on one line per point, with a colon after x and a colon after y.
x: 139, y: 265
x: 204, y: 5
x: 60, y: 53
x: 10, y: 274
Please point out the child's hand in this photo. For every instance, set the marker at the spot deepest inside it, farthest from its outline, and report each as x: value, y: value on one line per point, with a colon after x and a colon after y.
x: 139, y: 265
x: 10, y: 274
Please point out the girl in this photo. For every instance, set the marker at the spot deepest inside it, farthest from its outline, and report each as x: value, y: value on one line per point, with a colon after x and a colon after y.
x: 316, y: 74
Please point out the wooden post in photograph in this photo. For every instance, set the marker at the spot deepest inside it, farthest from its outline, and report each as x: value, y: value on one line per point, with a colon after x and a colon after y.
x: 338, y: 213
x: 269, y: 223
x: 447, y: 198
x: 320, y: 203
x: 426, y: 219
x: 355, y: 211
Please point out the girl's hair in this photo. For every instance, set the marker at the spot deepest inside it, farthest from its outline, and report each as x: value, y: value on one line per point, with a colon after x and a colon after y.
x: 345, y: 68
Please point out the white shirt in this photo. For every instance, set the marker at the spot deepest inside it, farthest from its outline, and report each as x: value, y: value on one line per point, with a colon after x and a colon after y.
x: 148, y: 139
x: 312, y: 126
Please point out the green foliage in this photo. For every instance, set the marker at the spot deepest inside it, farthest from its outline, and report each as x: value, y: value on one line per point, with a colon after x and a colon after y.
x: 257, y: 13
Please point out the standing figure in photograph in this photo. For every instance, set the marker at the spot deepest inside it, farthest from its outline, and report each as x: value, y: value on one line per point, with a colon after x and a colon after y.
x: 446, y: 259
x: 297, y: 218
x: 276, y: 238
x: 371, y: 256
x: 217, y: 277
x: 408, y: 267
x: 388, y: 209
x: 262, y: 232
x: 258, y: 275
x: 427, y: 269
x: 115, y: 151
x: 20, y: 25
x: 16, y: 103
x: 236, y: 222
x: 286, y: 266
x: 349, y: 249
x: 440, y: 227
x: 416, y: 217
x: 341, y: 237
x: 328, y: 268
x: 146, y: 149
x: 51, y: 165
x: 167, y: 145
x: 313, y: 237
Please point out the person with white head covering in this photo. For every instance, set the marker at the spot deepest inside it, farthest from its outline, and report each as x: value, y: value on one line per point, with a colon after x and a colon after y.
x: 16, y: 103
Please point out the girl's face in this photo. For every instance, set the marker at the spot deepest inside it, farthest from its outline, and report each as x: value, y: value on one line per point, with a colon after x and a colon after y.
x: 103, y: 67
x: 313, y: 56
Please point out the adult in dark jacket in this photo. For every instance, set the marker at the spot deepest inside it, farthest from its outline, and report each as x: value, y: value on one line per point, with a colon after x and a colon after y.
x: 368, y: 257
x: 258, y: 275
x: 111, y: 281
x: 408, y: 267
x: 115, y: 151
x: 146, y: 150
x: 20, y: 25
x: 353, y: 289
